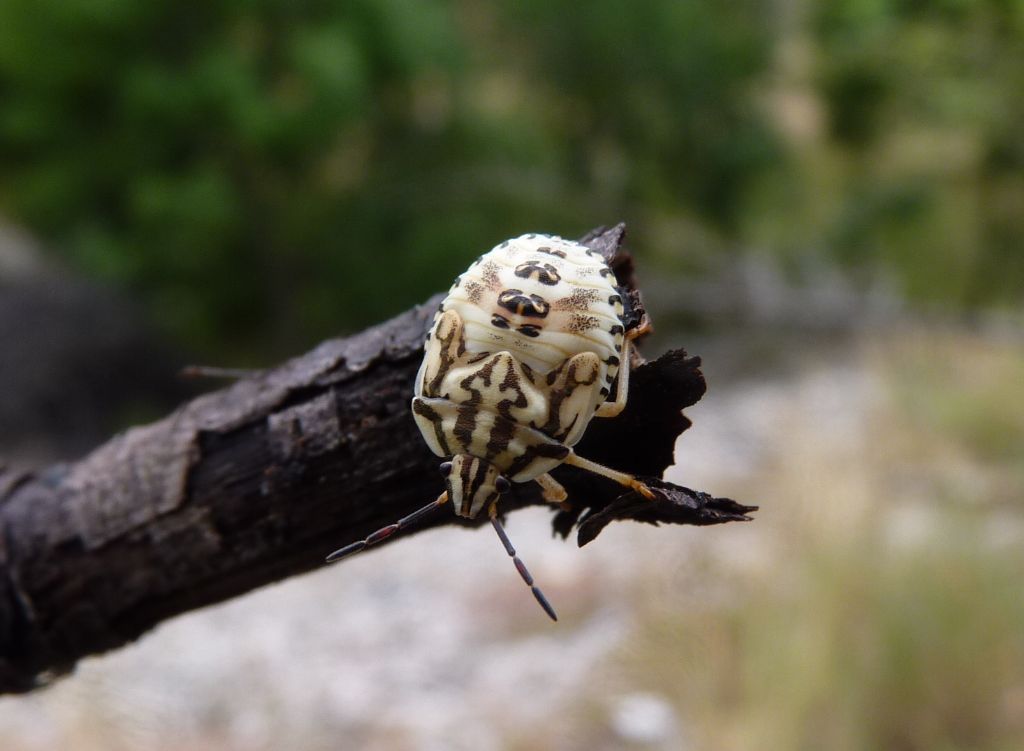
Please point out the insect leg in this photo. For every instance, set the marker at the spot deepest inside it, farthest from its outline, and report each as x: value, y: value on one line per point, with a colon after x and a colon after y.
x: 610, y: 409
x: 612, y: 474
x: 520, y: 566
x: 385, y: 532
x: 551, y: 489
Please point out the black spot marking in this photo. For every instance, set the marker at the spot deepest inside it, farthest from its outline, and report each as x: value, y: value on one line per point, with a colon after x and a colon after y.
x: 551, y: 252
x: 616, y: 329
x: 542, y: 272
x: 615, y: 300
x: 606, y: 272
x: 499, y: 321
x: 529, y: 330
x: 517, y: 301
x: 612, y: 360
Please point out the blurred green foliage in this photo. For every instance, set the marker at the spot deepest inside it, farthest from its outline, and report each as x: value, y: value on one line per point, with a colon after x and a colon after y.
x: 925, y: 99
x: 265, y: 173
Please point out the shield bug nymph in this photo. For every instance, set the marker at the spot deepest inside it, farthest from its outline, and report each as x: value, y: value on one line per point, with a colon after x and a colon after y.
x: 529, y: 345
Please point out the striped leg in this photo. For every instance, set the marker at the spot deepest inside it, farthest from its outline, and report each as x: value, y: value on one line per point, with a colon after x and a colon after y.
x: 610, y: 409
x: 612, y: 474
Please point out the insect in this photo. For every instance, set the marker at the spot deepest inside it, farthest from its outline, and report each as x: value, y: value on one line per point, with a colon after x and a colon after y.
x: 528, y: 346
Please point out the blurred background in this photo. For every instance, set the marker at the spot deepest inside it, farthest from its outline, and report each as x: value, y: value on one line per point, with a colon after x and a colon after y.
x: 825, y: 201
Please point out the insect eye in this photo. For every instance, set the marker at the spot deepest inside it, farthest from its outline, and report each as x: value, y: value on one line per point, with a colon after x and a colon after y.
x: 446, y: 468
x: 502, y: 485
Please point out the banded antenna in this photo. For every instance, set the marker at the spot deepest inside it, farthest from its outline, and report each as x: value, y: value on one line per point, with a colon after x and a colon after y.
x: 520, y: 566
x: 385, y: 532
x: 406, y: 521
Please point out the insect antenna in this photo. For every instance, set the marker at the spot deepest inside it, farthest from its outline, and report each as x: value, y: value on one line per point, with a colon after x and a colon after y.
x: 212, y: 371
x: 521, y: 567
x: 385, y: 532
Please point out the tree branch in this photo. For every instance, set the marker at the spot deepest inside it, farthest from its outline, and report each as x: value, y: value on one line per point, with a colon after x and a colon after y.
x: 258, y: 481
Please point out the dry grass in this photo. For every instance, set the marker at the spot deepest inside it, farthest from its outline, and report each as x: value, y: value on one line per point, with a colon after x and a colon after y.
x: 885, y: 607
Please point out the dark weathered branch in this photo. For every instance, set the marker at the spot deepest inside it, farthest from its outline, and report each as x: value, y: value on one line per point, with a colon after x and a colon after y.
x: 260, y: 480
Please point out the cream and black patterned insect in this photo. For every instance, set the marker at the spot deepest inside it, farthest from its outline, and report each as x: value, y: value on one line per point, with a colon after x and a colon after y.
x: 528, y: 347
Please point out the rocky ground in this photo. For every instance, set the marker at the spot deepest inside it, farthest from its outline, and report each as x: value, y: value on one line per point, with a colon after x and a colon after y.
x: 434, y: 643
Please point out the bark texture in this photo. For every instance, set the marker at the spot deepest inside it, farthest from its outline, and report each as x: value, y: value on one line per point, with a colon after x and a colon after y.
x: 260, y: 480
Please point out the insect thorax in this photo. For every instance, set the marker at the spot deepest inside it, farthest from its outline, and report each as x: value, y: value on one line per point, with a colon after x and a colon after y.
x: 491, y: 407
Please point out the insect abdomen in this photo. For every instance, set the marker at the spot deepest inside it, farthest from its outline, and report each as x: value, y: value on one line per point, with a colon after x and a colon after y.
x: 541, y: 298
